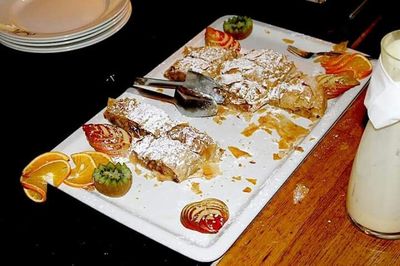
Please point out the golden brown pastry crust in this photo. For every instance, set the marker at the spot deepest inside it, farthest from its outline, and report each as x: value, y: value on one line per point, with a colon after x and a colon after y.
x: 175, y: 150
x: 255, y: 78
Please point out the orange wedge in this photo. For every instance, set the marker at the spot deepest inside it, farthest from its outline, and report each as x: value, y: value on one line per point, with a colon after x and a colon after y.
x: 99, y: 157
x: 35, y: 185
x: 36, y: 196
x: 357, y: 63
x: 361, y: 66
x: 35, y: 188
x: 337, y: 61
x: 82, y: 175
x: 43, y: 159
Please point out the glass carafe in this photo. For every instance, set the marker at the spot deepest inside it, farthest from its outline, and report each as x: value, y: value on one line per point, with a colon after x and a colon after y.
x: 373, y: 196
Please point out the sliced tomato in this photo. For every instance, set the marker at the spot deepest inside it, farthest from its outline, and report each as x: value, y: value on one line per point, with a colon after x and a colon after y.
x: 109, y: 139
x: 214, y: 37
x: 336, y: 84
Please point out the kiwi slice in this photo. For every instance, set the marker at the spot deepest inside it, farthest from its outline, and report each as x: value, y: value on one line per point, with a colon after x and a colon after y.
x: 113, y: 180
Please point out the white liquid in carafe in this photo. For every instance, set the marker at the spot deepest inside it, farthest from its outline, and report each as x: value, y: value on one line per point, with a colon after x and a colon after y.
x: 393, y: 48
x: 373, y: 197
x: 391, y: 65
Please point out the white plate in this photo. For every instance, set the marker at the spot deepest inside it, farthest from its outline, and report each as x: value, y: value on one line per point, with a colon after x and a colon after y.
x: 50, y: 20
x: 77, y: 44
x: 153, y: 208
x: 95, y: 32
x: 71, y: 38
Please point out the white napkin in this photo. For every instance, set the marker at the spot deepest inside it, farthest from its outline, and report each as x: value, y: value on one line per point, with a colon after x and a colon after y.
x: 383, y: 98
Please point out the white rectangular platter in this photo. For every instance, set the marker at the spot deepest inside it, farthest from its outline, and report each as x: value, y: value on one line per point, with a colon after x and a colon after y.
x: 153, y: 208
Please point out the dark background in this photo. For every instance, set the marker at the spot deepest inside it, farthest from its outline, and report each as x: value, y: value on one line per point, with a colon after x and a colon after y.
x: 45, y: 97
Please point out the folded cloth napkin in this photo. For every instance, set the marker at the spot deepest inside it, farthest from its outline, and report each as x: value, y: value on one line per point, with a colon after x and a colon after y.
x: 383, y: 98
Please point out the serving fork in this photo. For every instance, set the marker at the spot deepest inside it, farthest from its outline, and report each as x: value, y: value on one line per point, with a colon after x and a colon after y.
x: 307, y: 54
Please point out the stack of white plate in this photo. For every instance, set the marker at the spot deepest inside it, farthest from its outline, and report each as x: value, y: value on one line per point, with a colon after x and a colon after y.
x: 50, y: 26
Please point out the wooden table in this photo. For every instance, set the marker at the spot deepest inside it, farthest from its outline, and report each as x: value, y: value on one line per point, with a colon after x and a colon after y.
x: 317, y: 231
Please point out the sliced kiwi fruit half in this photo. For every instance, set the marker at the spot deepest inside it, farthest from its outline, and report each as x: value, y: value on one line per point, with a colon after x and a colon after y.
x: 113, y: 180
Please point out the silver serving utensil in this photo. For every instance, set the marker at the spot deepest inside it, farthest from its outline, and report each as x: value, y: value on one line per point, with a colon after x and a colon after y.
x: 196, y: 82
x: 186, y: 101
x: 307, y: 54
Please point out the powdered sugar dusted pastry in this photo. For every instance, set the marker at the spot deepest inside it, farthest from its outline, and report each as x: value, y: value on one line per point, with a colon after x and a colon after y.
x: 264, y: 76
x: 258, y: 77
x: 171, y: 158
x: 175, y: 150
x: 197, y: 141
x: 138, y: 118
x: 300, y: 95
x: 205, y: 60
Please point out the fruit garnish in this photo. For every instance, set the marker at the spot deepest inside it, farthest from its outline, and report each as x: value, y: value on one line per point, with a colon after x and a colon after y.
x: 35, y: 185
x: 113, y: 180
x: 43, y: 159
x: 336, y: 61
x: 357, y: 63
x: 240, y: 27
x: 214, y: 37
x: 336, y: 84
x: 99, y: 157
x: 108, y: 139
x: 206, y: 216
x: 36, y: 194
x: 81, y: 175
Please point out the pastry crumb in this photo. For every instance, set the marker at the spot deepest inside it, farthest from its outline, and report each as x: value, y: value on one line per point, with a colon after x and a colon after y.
x: 299, y: 193
x: 288, y: 41
x: 148, y: 176
x: 196, y: 188
x: 247, y: 190
x: 137, y: 170
x: 252, y: 180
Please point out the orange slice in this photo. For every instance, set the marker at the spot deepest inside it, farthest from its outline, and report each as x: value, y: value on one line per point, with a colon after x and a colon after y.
x: 35, y: 188
x: 99, y: 157
x: 36, y: 196
x: 337, y: 62
x: 361, y: 66
x: 82, y: 175
x: 35, y: 185
x: 43, y: 159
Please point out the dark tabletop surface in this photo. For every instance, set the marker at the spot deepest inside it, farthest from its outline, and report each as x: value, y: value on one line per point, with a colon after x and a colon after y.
x: 48, y: 96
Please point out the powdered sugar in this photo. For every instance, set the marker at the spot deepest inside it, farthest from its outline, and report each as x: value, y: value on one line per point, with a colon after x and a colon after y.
x: 170, y: 153
x: 196, y: 140
x: 254, y: 78
x: 194, y: 64
x: 151, y: 118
